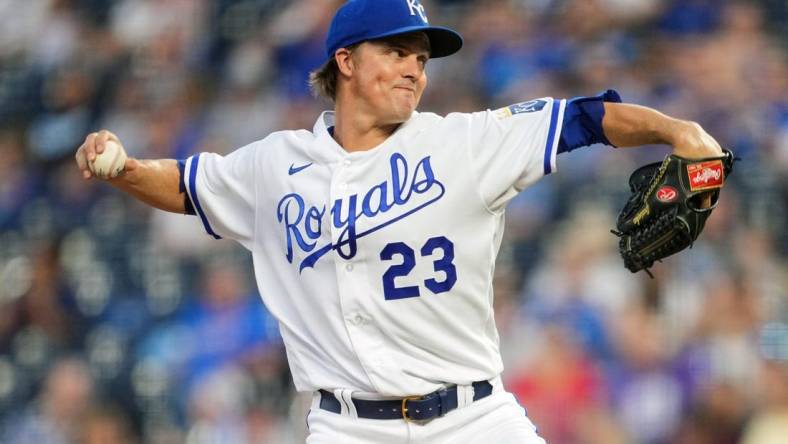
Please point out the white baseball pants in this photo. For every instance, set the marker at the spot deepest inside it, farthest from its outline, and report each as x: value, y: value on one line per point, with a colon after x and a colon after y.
x: 496, y: 419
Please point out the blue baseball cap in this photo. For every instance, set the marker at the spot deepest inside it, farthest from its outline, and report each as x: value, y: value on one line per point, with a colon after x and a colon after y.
x: 360, y: 20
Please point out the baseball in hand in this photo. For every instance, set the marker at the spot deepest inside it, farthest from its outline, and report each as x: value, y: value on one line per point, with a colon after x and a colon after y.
x: 110, y: 163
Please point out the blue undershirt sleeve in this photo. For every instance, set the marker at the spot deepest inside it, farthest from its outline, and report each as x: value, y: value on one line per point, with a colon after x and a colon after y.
x: 583, y: 121
x: 187, y: 203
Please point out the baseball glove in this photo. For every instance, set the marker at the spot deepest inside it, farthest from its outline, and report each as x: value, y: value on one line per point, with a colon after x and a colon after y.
x: 666, y: 211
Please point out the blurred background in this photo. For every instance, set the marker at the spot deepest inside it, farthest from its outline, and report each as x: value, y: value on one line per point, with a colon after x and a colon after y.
x: 120, y: 324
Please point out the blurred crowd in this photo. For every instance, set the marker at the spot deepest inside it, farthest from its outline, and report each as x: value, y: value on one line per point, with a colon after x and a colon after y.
x: 120, y: 324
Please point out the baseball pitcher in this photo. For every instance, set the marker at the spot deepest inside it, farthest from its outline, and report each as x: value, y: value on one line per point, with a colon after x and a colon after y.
x: 374, y: 233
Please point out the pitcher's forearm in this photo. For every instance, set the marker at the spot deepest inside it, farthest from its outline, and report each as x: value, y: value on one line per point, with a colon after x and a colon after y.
x: 627, y: 125
x: 155, y: 182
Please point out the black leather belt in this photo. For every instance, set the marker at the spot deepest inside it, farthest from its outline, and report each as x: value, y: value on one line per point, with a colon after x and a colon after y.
x: 412, y: 408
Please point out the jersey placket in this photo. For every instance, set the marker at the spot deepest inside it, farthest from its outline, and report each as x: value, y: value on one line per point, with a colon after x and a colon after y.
x: 352, y: 283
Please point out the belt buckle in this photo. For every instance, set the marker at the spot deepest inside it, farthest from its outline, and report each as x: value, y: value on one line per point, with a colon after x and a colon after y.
x: 405, y: 409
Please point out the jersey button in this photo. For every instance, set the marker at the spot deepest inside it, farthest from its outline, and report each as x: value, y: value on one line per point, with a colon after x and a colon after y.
x: 346, y: 162
x: 349, y: 267
x: 356, y: 320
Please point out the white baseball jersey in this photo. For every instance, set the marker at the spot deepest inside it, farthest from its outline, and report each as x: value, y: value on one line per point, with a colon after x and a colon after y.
x: 379, y: 264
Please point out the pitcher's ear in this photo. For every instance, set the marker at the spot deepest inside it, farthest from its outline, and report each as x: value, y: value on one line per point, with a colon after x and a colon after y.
x: 345, y: 61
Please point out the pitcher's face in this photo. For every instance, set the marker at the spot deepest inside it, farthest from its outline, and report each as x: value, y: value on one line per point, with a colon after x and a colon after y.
x: 389, y: 75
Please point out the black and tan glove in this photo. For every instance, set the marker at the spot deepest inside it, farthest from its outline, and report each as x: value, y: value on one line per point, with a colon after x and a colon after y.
x: 668, y: 208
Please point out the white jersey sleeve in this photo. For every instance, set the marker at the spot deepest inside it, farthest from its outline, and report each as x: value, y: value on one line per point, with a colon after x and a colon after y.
x: 513, y: 147
x: 222, y: 191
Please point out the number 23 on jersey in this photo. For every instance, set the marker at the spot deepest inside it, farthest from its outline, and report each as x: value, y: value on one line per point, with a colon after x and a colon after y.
x: 438, y: 249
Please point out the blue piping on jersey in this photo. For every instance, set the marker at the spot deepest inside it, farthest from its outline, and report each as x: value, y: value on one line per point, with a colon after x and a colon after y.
x: 548, y: 150
x: 196, y: 200
x: 188, y: 206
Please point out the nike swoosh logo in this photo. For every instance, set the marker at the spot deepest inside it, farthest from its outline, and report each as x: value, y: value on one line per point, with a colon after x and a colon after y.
x: 293, y: 169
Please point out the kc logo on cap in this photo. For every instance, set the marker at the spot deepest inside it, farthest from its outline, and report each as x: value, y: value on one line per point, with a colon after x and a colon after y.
x: 416, y: 8
x: 357, y: 21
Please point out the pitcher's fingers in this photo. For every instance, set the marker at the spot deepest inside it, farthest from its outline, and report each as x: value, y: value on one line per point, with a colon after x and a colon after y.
x: 101, y: 140
x: 103, y: 137
x: 90, y: 147
x: 82, y: 163
x: 706, y: 201
x: 112, y: 136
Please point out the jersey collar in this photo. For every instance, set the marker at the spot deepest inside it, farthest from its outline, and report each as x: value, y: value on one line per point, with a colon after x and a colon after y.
x: 327, y: 150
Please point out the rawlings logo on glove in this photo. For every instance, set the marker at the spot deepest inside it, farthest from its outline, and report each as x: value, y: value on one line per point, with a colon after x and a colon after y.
x: 705, y: 175
x: 665, y: 214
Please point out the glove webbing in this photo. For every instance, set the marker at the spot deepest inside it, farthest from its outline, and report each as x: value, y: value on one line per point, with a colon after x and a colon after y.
x: 667, y: 235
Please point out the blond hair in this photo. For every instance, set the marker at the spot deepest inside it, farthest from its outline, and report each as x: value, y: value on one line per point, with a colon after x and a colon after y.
x: 323, y: 80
